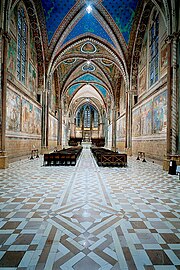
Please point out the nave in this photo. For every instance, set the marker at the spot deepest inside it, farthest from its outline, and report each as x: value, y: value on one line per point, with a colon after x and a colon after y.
x: 86, y: 217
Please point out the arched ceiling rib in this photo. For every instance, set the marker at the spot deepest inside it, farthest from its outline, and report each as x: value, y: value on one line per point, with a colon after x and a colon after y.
x: 121, y: 11
x: 82, y: 42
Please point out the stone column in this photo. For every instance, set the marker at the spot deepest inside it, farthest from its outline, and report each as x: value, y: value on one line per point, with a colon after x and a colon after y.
x: 100, y: 126
x: 114, y: 129
x: 3, y: 93
x: 178, y: 80
x: 174, y: 117
x: 43, y: 128
x: 45, y: 116
x: 168, y: 41
x: 172, y: 95
x: 59, y: 142
x: 128, y: 136
x: 72, y: 127
x: 172, y: 101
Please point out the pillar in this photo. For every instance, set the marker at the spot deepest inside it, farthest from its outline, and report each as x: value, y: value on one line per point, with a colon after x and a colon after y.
x: 59, y: 140
x: 128, y: 135
x: 114, y: 129
x: 3, y: 155
x: 172, y: 102
x: 178, y: 80
x: 172, y: 99
x: 45, y: 116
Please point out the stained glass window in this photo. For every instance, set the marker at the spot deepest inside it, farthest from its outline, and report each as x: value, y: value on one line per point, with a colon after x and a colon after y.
x: 154, y: 50
x: 95, y: 119
x: 87, y: 117
x: 78, y: 119
x: 22, y: 41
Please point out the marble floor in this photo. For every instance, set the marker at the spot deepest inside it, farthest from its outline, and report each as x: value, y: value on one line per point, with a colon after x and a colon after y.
x: 85, y: 217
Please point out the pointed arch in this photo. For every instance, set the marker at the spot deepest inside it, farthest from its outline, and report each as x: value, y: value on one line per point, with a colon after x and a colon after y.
x: 73, y: 17
x: 35, y: 24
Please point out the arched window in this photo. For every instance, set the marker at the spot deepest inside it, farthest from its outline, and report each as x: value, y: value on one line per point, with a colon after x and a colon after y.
x: 22, y: 41
x: 154, y: 49
x: 78, y: 119
x: 87, y: 117
x: 95, y: 119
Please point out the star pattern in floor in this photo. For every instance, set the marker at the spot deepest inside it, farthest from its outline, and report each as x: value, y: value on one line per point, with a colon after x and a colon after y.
x: 88, y: 217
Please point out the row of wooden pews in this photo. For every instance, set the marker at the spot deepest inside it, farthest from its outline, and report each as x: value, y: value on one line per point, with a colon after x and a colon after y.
x: 63, y: 157
x: 73, y: 141
x: 99, y: 142
x: 106, y: 157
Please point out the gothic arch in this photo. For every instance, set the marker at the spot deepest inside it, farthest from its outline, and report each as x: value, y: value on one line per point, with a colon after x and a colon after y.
x: 146, y: 10
x: 35, y: 26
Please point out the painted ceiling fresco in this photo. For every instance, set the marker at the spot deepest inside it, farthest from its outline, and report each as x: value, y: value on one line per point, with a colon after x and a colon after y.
x: 101, y: 89
x: 122, y: 11
x: 88, y: 78
x: 55, y: 11
x: 74, y: 87
x: 88, y: 24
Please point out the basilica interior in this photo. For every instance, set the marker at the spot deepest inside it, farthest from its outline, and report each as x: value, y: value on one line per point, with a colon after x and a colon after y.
x: 73, y: 73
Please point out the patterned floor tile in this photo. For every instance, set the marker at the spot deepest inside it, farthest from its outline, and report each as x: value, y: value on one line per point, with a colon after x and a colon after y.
x: 88, y: 217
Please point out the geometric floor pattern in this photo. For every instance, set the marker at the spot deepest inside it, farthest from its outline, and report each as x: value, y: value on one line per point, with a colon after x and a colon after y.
x: 86, y: 217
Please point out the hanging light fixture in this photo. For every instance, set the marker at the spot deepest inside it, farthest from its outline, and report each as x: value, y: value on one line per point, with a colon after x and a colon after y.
x: 89, y: 9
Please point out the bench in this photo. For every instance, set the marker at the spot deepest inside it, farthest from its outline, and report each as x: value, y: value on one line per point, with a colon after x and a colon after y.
x: 106, y: 157
x: 73, y: 141
x: 141, y: 155
x: 63, y: 157
x: 99, y: 142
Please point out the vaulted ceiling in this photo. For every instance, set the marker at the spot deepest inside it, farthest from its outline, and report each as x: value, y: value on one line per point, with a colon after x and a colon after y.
x: 121, y: 11
x: 88, y: 47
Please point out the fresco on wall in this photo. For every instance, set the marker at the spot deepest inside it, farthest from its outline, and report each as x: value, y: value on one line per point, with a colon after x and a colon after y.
x: 136, y: 125
x: 160, y: 113
x: 13, y: 111
x: 164, y: 59
x: 27, y: 117
x: 146, y: 118
x: 13, y: 23
x: 122, y: 127
x: 142, y: 82
x: 32, y: 79
x: 143, y: 54
x: 33, y: 54
x: 11, y: 62
x: 37, y: 121
x: 53, y: 127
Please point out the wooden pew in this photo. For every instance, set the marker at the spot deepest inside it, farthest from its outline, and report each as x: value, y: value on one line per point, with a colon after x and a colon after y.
x: 106, y: 157
x: 63, y: 157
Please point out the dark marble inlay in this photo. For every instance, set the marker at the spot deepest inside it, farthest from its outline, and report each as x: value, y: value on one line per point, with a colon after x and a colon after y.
x: 170, y: 238
x: 10, y: 225
x: 24, y: 239
x: 86, y: 263
x: 11, y: 258
x: 158, y: 257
